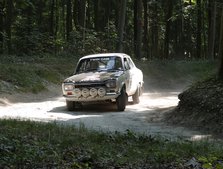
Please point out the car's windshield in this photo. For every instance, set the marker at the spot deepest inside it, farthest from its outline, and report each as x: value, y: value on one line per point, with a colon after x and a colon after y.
x: 112, y: 63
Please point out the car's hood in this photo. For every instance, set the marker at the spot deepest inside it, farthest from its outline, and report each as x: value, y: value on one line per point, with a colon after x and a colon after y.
x: 93, y: 76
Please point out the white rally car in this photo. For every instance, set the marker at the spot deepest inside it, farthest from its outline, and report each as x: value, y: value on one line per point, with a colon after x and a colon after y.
x: 103, y: 77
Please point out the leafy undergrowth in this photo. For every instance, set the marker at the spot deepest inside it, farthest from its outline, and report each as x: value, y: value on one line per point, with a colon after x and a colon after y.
x: 33, y: 74
x: 40, y: 145
x: 172, y: 75
x: 201, y: 106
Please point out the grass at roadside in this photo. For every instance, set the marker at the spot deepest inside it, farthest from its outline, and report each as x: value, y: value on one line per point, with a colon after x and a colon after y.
x: 49, y: 145
x: 172, y: 74
x: 32, y: 74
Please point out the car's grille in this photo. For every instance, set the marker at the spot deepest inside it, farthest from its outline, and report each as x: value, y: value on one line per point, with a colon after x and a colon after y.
x: 89, y: 85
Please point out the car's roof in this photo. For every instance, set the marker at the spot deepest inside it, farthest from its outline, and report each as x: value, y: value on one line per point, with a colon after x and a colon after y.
x: 104, y: 55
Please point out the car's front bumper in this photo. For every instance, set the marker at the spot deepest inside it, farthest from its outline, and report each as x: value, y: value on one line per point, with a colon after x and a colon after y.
x: 108, y: 96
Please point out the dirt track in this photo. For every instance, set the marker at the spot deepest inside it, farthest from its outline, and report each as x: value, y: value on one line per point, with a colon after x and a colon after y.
x: 144, y: 118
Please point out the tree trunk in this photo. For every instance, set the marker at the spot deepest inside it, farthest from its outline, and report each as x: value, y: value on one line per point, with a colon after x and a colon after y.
x: 220, y: 72
x: 198, y: 42
x: 56, y: 27
x: 180, y: 35
x: 154, y: 33
x: 135, y: 24
x: 9, y: 8
x: 29, y: 14
x: 39, y: 14
x: 57, y: 19
x: 121, y: 26
x: 89, y: 14
x: 167, y: 31
x: 108, y: 7
x: 75, y: 14
x: 68, y: 19
x: 204, y: 36
x: 1, y: 26
x: 211, y: 28
x: 145, y: 26
x: 82, y: 19
x: 63, y: 26
x: 96, y: 14
x: 138, y: 29
x: 51, y: 22
x: 82, y: 13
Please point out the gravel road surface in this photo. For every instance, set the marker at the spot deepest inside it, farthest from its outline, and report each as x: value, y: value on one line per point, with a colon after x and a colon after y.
x: 144, y: 118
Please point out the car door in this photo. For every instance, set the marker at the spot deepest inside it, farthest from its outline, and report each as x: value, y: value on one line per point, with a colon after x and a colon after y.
x: 133, y: 77
x: 129, y: 73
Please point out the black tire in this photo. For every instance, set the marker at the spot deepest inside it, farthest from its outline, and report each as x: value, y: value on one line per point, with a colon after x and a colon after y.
x: 70, y: 105
x: 121, y: 100
x: 135, y: 97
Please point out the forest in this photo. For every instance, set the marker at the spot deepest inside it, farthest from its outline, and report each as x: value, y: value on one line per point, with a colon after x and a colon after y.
x: 151, y: 29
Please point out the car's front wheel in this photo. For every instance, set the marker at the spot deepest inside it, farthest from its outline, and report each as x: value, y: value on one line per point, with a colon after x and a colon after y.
x: 70, y: 105
x: 121, y: 100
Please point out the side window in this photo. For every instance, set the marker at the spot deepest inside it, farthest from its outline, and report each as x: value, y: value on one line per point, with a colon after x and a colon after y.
x: 126, y: 64
x: 131, y: 65
x: 81, y: 66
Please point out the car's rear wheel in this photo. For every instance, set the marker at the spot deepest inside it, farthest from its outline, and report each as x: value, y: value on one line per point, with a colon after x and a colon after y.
x: 121, y: 100
x: 70, y: 105
x: 135, y: 97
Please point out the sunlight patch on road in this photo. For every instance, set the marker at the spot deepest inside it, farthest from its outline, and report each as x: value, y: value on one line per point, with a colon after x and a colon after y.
x: 152, y: 101
x: 39, y: 111
x: 66, y: 117
x: 200, y: 137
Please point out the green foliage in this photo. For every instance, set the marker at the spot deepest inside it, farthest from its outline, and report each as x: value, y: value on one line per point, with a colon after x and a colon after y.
x: 21, y: 76
x: 91, y: 42
x: 175, y: 74
x: 192, y: 1
x: 40, y: 145
x: 210, y: 162
x: 33, y: 73
x: 41, y: 27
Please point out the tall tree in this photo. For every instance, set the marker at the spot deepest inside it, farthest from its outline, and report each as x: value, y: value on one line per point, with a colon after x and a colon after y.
x: 138, y: 28
x: 154, y: 31
x: 69, y: 18
x: 145, y: 28
x: 29, y: 17
x: 211, y: 27
x: 121, y: 25
x: 63, y: 19
x: 56, y: 19
x: 220, y: 73
x: 179, y: 29
x: 96, y: 14
x: 82, y: 13
x: 40, y: 6
x: 1, y: 25
x: 51, y: 19
x: 169, y: 5
x: 199, y: 29
x: 9, y: 9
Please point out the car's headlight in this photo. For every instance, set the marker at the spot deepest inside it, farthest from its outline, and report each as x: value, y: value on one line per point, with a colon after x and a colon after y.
x: 68, y: 87
x: 111, y: 83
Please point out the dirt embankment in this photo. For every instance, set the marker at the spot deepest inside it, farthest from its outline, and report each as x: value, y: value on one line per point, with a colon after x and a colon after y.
x: 201, y: 107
